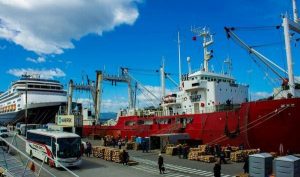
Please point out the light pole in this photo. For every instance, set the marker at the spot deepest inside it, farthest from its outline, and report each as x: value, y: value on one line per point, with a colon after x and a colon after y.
x: 26, y: 112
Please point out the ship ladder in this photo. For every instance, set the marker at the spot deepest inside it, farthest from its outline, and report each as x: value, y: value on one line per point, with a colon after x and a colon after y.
x: 254, y: 123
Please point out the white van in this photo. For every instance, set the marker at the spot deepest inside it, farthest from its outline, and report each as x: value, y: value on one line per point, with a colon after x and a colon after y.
x: 24, y: 128
x: 3, y: 132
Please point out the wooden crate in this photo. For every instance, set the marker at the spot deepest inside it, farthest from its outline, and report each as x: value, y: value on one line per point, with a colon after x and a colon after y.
x: 239, y: 156
x: 171, y: 150
x: 116, y: 155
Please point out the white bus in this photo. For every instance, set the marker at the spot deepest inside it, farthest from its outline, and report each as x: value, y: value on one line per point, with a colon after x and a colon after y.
x: 61, y: 146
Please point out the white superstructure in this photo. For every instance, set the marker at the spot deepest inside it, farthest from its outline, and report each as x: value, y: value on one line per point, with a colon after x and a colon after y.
x: 32, y: 93
x: 204, y: 90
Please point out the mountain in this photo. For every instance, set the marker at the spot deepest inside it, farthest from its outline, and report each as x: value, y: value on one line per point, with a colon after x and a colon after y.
x: 108, y: 115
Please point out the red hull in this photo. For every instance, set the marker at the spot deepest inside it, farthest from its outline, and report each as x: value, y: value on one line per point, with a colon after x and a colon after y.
x: 262, y: 124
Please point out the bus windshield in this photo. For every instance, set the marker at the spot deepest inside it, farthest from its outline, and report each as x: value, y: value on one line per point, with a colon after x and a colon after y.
x: 68, y: 147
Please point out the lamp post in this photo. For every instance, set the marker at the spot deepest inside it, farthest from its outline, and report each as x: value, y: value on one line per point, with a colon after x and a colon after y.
x: 26, y: 112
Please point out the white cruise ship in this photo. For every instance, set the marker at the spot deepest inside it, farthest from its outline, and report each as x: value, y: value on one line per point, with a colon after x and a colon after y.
x: 43, y: 100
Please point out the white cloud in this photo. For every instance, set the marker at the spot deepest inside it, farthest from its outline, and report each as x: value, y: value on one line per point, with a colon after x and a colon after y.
x: 147, y: 99
x: 43, y: 73
x: 260, y: 95
x: 107, y: 105
x: 38, y: 60
x: 49, y: 26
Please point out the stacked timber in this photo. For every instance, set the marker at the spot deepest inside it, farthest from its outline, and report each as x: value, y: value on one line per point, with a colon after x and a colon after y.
x: 207, y: 158
x: 203, y: 147
x: 234, y: 148
x: 171, y: 150
x: 239, y: 156
x: 164, y: 149
x: 195, y: 153
x: 108, y: 154
x: 98, y: 151
x: 116, y: 155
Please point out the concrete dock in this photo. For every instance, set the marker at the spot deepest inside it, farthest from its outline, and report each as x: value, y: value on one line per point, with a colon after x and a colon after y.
x: 147, y: 166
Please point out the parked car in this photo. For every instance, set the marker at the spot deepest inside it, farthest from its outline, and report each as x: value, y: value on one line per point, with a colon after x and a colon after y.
x: 3, y: 132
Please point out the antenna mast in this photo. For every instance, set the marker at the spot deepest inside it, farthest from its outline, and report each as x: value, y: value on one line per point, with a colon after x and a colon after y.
x: 295, y: 12
x: 207, y: 41
x: 162, y: 78
x: 179, y: 58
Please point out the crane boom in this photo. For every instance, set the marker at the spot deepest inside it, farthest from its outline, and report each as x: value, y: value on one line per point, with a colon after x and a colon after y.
x: 261, y: 57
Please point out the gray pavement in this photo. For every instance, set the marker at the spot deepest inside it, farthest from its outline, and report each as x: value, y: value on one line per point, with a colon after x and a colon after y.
x: 147, y: 167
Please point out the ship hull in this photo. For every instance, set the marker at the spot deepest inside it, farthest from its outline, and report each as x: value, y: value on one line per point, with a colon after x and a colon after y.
x: 36, y: 114
x: 263, y: 124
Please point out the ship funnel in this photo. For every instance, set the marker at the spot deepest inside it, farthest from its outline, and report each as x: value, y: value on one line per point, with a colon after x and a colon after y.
x: 188, y: 59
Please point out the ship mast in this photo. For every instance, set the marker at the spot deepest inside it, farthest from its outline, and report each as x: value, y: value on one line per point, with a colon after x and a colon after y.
x: 179, y: 58
x: 162, y: 79
x: 207, y: 41
x: 295, y: 11
x: 287, y: 26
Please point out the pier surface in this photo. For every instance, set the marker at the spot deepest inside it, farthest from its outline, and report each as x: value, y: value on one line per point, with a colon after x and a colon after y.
x: 147, y: 166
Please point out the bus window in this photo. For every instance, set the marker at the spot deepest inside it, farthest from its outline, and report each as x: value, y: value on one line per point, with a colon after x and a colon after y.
x: 68, y: 147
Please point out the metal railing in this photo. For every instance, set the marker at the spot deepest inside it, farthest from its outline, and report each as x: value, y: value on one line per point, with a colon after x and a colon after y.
x: 48, y: 157
x: 29, y: 159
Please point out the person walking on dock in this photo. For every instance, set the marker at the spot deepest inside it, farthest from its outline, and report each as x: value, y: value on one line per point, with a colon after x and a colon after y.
x: 89, y: 149
x: 217, y: 169
x: 179, y: 151
x: 125, y: 157
x: 120, y: 144
x: 161, y: 164
x: 246, y: 165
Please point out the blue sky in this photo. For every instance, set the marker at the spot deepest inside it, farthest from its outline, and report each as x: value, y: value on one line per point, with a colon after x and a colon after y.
x: 71, y: 44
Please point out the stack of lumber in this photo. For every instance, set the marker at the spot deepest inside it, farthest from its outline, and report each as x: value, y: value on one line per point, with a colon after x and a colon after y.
x: 129, y: 145
x: 207, y: 158
x: 234, y: 148
x: 171, y: 150
x: 98, y: 151
x: 239, y: 156
x: 195, y: 153
x: 116, y: 155
x: 163, y: 150
x: 108, y: 154
x: 203, y: 147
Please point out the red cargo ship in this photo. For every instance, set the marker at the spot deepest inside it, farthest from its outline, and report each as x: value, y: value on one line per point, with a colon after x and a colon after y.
x: 214, y: 109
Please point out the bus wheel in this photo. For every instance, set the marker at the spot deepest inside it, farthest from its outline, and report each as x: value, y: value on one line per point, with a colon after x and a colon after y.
x: 49, y: 163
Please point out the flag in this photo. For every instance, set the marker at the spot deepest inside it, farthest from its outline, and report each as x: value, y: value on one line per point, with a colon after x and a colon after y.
x: 194, y: 38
